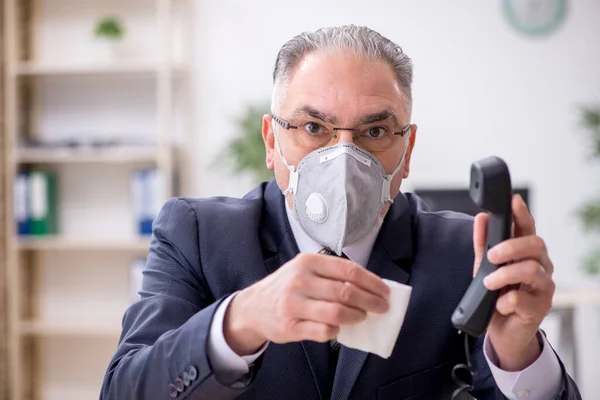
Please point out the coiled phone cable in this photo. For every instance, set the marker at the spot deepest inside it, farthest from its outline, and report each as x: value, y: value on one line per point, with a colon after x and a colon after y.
x: 466, y: 369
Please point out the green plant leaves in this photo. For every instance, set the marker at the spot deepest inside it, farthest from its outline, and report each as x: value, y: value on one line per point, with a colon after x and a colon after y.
x: 589, y: 213
x: 591, y: 117
x: 590, y: 216
x: 591, y: 263
x: 246, y: 152
x: 109, y: 27
x: 591, y: 121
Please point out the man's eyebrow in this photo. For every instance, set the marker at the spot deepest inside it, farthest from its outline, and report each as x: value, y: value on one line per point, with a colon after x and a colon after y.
x: 307, y: 110
x: 312, y: 112
x: 378, y: 117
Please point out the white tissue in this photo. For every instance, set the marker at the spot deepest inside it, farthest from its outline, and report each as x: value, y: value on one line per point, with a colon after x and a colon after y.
x: 378, y: 332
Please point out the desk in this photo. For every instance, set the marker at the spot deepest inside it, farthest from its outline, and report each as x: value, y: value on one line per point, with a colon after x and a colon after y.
x: 564, y: 303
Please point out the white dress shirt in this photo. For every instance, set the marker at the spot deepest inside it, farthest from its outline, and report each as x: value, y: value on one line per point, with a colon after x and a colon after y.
x: 540, y: 381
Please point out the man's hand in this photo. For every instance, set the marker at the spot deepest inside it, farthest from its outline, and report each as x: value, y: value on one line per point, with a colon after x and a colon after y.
x: 526, y: 288
x: 305, y: 299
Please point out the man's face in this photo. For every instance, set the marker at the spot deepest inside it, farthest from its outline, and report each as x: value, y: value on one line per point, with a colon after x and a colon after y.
x: 345, y: 90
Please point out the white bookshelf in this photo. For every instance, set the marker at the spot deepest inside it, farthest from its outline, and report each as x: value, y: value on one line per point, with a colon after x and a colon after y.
x: 121, y: 154
x: 58, y: 243
x: 67, y: 292
x: 34, y: 69
x: 70, y: 329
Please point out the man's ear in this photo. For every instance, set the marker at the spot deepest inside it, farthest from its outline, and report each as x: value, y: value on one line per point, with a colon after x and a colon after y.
x: 411, y: 145
x: 269, y: 139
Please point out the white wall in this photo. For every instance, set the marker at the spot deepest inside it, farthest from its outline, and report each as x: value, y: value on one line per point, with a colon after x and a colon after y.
x: 480, y: 89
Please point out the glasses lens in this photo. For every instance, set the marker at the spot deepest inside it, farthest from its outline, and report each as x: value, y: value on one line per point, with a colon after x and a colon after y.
x: 312, y: 135
x: 375, y: 138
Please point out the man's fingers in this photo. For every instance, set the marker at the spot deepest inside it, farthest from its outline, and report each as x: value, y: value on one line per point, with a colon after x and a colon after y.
x: 507, y: 302
x: 348, y: 294
x: 522, y: 248
x: 524, y: 224
x: 523, y: 303
x: 529, y: 272
x: 310, y: 330
x: 530, y: 308
x: 343, y: 270
x: 479, y: 239
x: 321, y: 311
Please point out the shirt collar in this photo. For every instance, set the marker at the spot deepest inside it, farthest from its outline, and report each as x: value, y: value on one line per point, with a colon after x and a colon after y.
x: 359, y: 252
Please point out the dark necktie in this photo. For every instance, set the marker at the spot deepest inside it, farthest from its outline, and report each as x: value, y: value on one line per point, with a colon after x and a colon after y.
x: 334, y: 344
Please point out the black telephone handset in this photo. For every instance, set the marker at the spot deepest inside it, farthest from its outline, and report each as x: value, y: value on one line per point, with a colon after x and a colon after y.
x: 491, y: 190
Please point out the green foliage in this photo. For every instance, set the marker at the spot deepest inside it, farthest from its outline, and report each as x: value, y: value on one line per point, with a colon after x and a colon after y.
x: 590, y: 216
x: 246, y: 152
x: 591, y: 263
x: 589, y: 213
x: 110, y: 28
x: 591, y: 120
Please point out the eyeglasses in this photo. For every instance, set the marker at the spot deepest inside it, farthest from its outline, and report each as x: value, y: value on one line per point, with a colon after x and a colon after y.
x: 374, y: 137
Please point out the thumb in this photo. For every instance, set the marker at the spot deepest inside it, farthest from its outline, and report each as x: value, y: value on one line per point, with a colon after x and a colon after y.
x: 479, y: 239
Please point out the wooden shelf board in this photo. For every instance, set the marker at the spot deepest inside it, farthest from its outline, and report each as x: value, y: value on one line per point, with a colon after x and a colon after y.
x: 116, y: 155
x: 73, y: 243
x: 70, y: 328
x: 567, y: 298
x: 132, y: 68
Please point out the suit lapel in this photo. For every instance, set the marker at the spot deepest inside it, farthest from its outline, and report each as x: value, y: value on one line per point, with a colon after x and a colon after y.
x: 277, y: 238
x: 280, y: 247
x: 390, y: 259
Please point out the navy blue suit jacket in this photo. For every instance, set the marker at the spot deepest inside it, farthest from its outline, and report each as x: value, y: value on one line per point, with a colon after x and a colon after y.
x: 203, y: 250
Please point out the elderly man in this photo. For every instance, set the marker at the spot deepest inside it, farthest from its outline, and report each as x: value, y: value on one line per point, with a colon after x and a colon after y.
x: 241, y: 297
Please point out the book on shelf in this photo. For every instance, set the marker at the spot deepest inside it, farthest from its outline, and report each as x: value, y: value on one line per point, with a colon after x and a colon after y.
x: 36, y: 203
x: 135, y: 278
x: 147, y: 188
x: 20, y: 202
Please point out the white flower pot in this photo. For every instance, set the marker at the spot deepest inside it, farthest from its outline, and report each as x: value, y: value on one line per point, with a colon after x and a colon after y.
x: 106, y: 50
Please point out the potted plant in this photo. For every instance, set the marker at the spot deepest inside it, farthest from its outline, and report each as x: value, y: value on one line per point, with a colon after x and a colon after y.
x: 245, y: 154
x: 589, y: 213
x: 109, y: 32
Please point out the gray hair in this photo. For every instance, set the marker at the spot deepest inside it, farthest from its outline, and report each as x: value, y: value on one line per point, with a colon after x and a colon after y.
x: 359, y: 40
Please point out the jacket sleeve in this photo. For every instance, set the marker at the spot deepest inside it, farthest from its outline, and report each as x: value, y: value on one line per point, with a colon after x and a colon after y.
x: 162, y: 351
x: 485, y: 387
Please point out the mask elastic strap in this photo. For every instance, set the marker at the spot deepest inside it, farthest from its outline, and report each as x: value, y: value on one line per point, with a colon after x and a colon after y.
x: 293, y: 180
x: 387, y: 182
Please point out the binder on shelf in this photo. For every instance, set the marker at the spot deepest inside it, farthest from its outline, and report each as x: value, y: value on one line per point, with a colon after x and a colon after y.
x: 155, y: 185
x: 147, y: 189
x: 135, y: 278
x: 43, y: 203
x: 21, y: 203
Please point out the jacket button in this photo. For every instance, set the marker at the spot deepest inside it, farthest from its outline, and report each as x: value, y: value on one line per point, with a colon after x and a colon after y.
x: 179, y: 385
x: 186, y: 379
x: 173, y: 391
x: 193, y: 373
